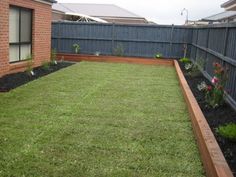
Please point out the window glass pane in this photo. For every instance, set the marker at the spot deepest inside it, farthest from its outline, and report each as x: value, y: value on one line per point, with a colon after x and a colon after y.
x: 25, y: 51
x: 14, y: 53
x: 14, y: 25
x: 25, y: 26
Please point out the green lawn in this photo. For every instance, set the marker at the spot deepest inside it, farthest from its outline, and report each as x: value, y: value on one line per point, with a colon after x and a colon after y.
x: 98, y: 119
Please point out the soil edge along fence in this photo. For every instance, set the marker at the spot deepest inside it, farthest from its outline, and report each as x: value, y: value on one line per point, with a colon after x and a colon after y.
x: 205, y: 44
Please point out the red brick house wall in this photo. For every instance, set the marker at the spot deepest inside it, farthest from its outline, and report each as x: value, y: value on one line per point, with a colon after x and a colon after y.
x: 41, y: 34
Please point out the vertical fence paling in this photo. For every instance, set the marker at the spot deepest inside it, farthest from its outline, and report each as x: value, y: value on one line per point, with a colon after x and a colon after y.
x: 210, y: 43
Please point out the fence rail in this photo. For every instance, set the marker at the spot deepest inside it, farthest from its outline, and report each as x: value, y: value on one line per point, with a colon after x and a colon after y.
x: 212, y: 43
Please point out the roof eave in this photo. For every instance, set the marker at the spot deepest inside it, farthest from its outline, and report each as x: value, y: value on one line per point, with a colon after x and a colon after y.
x: 228, y: 3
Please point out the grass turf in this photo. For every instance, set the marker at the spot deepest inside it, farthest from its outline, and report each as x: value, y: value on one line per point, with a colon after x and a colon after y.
x: 98, y: 119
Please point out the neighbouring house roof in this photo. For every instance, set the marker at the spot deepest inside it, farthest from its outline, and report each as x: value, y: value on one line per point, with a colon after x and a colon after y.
x: 220, y: 16
x: 228, y: 3
x: 51, y: 1
x: 95, y: 10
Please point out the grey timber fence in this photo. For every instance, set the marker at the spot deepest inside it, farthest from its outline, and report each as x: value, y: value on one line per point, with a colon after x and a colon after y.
x: 206, y: 44
x: 216, y: 43
x: 133, y: 40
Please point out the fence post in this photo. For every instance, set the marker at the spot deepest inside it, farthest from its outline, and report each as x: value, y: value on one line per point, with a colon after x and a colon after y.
x: 207, y: 46
x: 59, y: 38
x: 113, y: 38
x: 171, y: 41
x: 195, y: 58
x: 225, y: 40
x: 225, y: 43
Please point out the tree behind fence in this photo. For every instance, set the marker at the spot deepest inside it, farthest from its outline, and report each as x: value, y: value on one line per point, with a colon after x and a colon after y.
x: 215, y: 43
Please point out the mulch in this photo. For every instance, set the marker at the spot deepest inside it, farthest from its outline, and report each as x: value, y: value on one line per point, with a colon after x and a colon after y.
x: 12, y: 81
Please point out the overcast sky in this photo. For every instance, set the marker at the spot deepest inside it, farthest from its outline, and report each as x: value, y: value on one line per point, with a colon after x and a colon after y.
x: 164, y: 11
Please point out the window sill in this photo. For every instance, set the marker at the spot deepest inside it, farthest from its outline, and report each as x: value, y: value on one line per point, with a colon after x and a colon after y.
x: 18, y: 65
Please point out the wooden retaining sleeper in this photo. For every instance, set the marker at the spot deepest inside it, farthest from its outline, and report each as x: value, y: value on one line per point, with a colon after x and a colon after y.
x: 114, y: 59
x: 212, y: 157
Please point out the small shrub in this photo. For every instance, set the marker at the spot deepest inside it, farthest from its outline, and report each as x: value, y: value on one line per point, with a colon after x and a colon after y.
x: 185, y: 60
x: 76, y: 48
x: 158, y: 55
x: 119, y: 50
x: 188, y: 66
x: 97, y: 53
x: 29, y: 68
x: 202, y: 86
x: 53, y: 57
x: 200, y: 63
x: 214, y: 94
x: 46, y: 65
x: 192, y: 69
x: 228, y: 131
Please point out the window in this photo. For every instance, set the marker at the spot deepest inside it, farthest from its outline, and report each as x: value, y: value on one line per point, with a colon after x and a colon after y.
x: 20, y: 33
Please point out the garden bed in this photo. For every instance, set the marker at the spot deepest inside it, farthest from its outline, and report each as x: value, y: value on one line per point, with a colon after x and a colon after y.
x: 11, y: 81
x: 215, y: 117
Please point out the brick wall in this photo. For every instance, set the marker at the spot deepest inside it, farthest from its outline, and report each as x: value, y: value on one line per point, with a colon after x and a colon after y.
x: 4, y: 46
x: 41, y: 39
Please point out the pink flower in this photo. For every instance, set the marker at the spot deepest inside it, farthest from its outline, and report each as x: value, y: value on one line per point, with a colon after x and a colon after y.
x: 209, y: 88
x: 214, y: 80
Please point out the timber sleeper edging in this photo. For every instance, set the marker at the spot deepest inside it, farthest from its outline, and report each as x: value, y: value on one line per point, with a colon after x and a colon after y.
x: 212, y: 157
x: 114, y: 59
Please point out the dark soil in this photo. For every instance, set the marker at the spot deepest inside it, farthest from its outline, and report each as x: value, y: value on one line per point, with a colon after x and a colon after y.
x: 11, y: 81
x: 215, y: 117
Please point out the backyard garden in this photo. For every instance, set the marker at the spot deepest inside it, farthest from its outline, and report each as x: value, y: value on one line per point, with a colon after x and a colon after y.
x: 98, y: 119
x: 121, y: 100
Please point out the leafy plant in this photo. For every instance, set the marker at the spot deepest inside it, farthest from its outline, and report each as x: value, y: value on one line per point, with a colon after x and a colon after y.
x: 188, y: 66
x: 29, y: 67
x: 76, y: 48
x: 97, y: 53
x: 185, y: 60
x: 228, y: 131
x: 195, y: 70
x: 214, y: 95
x: 200, y: 63
x: 158, y: 55
x: 202, y: 86
x: 46, y: 65
x: 53, y: 56
x: 119, y: 50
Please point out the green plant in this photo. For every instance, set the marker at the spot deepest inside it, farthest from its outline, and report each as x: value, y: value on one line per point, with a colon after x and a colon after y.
x: 119, y: 50
x: 97, y: 53
x: 46, y: 65
x: 194, y: 69
x: 185, y: 60
x: 29, y: 67
x: 76, y: 48
x: 228, y: 131
x: 53, y: 56
x: 158, y: 55
x: 214, y: 95
x: 200, y: 63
